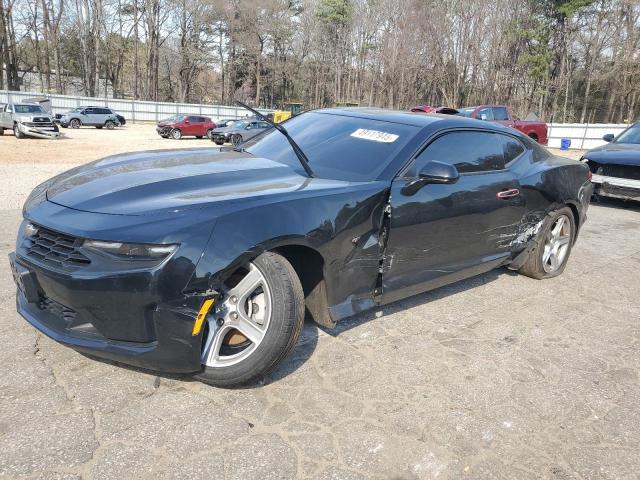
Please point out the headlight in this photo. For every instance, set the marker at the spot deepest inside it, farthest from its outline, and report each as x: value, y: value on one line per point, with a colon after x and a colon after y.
x: 131, y: 251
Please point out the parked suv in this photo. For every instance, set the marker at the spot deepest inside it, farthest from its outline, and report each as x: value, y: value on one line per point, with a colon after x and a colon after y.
x: 180, y: 126
x: 90, y: 116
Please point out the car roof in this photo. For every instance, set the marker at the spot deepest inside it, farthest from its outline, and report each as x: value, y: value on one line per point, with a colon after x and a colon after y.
x: 436, y: 121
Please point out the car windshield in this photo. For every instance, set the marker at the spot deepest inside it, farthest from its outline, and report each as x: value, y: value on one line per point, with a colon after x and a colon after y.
x: 28, y: 109
x: 175, y: 118
x: 239, y: 124
x: 630, y: 135
x: 339, y: 147
x: 465, y: 112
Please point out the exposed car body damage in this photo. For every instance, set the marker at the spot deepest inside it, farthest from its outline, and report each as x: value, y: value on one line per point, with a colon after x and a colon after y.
x: 616, y: 165
x: 356, y: 243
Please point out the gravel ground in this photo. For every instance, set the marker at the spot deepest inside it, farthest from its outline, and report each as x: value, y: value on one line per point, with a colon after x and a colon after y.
x: 496, y: 377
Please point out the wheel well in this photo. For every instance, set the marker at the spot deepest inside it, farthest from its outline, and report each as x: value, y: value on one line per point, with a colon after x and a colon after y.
x: 533, y: 136
x: 309, y: 266
x: 576, y: 218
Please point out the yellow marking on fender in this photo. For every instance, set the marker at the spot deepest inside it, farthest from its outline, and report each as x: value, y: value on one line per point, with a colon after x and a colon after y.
x: 202, y: 314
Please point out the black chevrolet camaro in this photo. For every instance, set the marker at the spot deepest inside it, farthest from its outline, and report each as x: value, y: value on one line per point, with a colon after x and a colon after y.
x: 204, y: 261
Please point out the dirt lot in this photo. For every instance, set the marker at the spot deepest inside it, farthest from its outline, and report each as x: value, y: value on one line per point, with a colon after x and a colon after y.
x: 496, y: 377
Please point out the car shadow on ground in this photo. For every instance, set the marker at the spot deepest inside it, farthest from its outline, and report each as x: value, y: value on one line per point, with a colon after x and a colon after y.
x: 616, y: 203
x: 308, y: 341
x: 309, y: 338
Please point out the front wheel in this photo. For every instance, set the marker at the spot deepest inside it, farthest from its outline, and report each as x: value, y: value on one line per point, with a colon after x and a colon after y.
x: 236, y: 140
x: 255, y: 324
x: 75, y: 123
x: 552, y: 247
x: 16, y: 131
x: 110, y: 125
x: 176, y: 134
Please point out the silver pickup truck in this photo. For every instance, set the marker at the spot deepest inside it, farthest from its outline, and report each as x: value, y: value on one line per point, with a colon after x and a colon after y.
x: 27, y: 120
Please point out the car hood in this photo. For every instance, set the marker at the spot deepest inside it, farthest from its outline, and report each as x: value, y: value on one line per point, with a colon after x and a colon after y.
x: 29, y: 117
x: 618, y: 153
x: 175, y: 180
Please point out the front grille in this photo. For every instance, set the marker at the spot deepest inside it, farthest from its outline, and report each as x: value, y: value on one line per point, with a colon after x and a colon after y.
x: 56, y: 249
x: 631, y: 172
x: 65, y: 313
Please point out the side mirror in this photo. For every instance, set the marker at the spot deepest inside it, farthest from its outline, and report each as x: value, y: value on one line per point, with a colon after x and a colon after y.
x: 432, y: 172
x: 609, y: 137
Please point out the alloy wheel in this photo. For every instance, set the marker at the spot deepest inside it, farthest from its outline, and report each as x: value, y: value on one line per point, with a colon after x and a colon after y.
x: 75, y: 123
x: 556, y: 245
x: 240, y: 321
x: 236, y: 140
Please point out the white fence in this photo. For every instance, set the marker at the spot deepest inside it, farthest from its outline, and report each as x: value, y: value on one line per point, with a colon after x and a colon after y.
x: 582, y: 135
x: 132, y: 110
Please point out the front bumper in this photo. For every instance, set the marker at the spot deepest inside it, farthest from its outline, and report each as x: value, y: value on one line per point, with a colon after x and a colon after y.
x: 112, y: 317
x: 219, y: 137
x: 164, y: 131
x: 40, y: 132
x: 615, y: 187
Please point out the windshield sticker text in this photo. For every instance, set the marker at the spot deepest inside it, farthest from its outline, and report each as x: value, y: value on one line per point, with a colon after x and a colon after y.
x: 375, y: 135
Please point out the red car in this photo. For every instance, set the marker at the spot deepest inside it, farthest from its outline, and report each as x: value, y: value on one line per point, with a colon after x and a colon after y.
x: 494, y: 113
x: 502, y: 114
x: 180, y: 126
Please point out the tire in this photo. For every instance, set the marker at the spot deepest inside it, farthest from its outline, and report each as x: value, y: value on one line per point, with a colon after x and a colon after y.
x: 198, y: 136
x: 236, y: 139
x: 1, y: 131
x: 176, y: 134
x: 17, y: 133
x: 75, y: 123
x: 109, y: 125
x: 99, y: 127
x: 283, y: 327
x: 219, y: 143
x: 539, y: 264
x: 209, y: 132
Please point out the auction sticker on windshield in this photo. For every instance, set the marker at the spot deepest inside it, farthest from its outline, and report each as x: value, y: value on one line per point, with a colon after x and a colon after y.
x: 375, y: 135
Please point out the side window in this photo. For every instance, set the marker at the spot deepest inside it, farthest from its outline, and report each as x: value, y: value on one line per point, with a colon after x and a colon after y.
x: 500, y: 113
x: 485, y: 114
x: 264, y: 125
x: 105, y: 111
x: 511, y: 147
x: 89, y: 111
x: 468, y: 151
x: 193, y: 119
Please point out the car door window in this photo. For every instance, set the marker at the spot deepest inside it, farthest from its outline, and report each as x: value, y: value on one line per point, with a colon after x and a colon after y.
x: 193, y: 119
x: 485, y: 114
x: 469, y: 152
x: 500, y: 113
x: 263, y: 125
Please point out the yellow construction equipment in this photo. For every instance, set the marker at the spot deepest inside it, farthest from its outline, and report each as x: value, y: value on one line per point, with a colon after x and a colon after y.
x: 290, y: 109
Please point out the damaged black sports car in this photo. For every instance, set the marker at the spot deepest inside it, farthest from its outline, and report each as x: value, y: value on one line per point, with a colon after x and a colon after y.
x: 204, y: 261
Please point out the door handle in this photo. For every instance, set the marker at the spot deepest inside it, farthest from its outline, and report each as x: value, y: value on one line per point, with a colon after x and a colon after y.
x: 514, y: 192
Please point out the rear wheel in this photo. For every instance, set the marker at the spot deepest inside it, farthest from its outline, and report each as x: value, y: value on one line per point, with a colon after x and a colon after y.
x: 99, y: 127
x: 219, y: 143
x: 236, y: 139
x: 1, y: 131
x: 209, y: 133
x: 552, y: 247
x: 176, y: 134
x: 256, y: 323
x: 75, y: 123
x: 198, y: 136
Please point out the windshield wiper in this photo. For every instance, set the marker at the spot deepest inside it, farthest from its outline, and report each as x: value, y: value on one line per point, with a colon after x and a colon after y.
x: 304, y: 161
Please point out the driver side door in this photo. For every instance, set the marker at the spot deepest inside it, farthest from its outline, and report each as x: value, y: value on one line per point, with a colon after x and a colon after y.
x: 443, y: 232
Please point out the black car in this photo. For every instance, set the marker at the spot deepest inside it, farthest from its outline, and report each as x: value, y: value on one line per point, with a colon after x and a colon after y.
x: 616, y: 165
x: 203, y: 261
